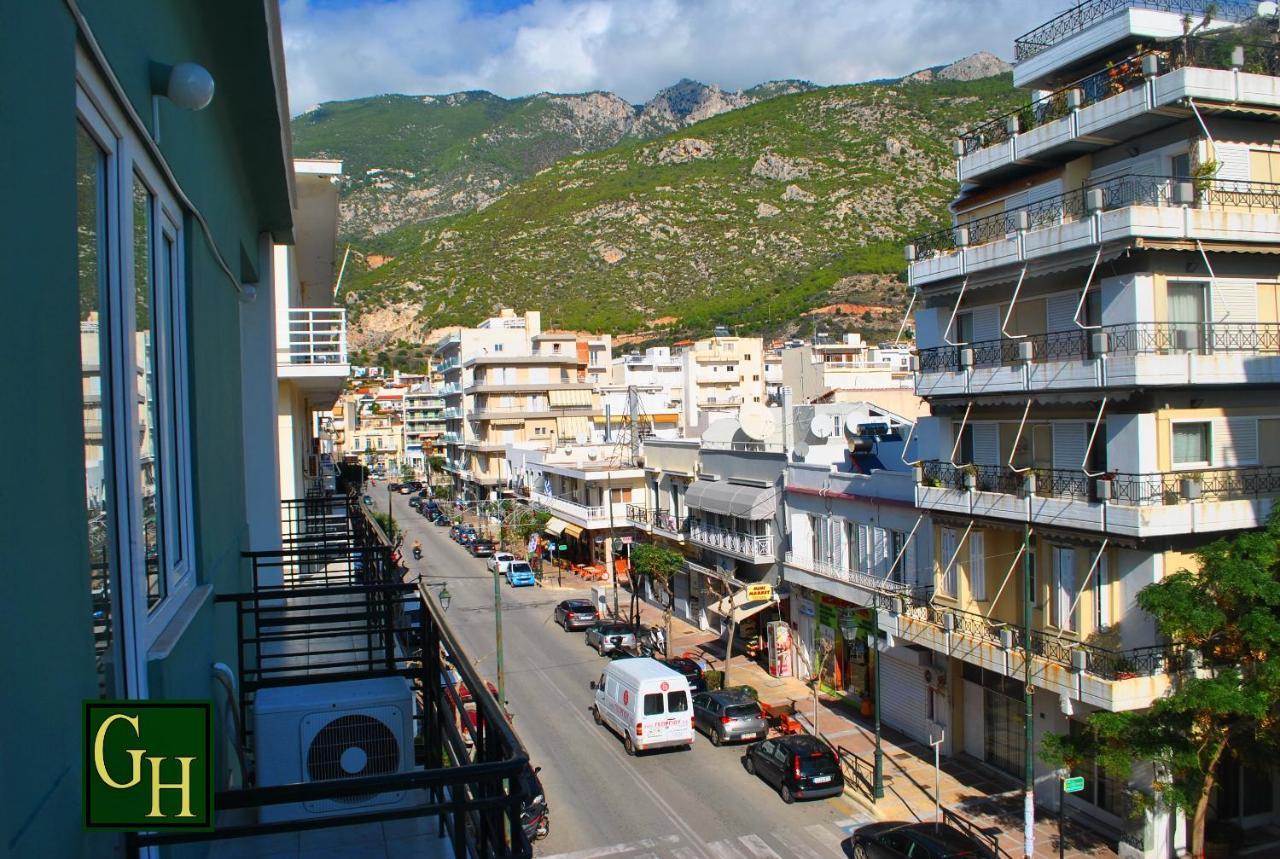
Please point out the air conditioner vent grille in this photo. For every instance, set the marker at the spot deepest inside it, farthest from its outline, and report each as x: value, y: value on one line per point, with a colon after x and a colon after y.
x: 352, y: 746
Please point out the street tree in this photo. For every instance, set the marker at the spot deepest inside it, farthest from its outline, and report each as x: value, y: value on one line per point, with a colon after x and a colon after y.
x: 659, y: 566
x: 1225, y: 699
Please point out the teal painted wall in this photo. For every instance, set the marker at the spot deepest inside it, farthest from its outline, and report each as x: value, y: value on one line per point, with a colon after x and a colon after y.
x: 228, y: 159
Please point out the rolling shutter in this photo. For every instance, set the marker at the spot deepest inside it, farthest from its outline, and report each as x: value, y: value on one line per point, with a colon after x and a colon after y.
x: 986, y: 324
x: 1233, y: 160
x: 1069, y: 441
x: 1060, y: 312
x: 1235, y: 441
x: 986, y: 444
x: 907, y: 708
x: 1234, y: 301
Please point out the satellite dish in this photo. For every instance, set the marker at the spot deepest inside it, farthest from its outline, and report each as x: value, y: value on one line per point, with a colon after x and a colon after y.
x: 756, y: 421
x: 821, y: 427
x: 851, y: 423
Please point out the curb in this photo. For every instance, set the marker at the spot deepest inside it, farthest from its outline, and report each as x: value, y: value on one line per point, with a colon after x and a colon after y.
x: 851, y: 793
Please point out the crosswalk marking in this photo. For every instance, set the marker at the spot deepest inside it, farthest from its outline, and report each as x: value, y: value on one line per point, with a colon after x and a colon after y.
x: 815, y: 841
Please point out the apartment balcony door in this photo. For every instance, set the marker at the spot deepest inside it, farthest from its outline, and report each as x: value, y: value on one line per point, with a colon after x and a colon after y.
x: 1188, y: 310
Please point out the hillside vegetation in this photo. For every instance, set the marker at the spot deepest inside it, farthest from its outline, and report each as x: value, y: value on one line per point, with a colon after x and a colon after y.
x: 751, y: 218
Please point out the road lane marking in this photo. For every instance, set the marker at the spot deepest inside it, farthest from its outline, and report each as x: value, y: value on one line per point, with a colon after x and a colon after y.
x: 616, y: 849
x: 796, y: 844
x: 757, y: 847
x: 725, y: 849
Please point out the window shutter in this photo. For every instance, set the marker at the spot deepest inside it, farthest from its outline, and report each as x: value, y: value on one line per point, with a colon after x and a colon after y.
x: 1233, y: 301
x: 1235, y: 441
x: 881, y: 559
x: 977, y: 566
x: 1064, y: 573
x: 1069, y: 441
x: 864, y: 549
x: 1233, y: 159
x: 837, y: 543
x: 986, y: 324
x: 910, y: 574
x: 1060, y: 312
x: 986, y: 444
x: 948, y: 583
x: 1102, y: 594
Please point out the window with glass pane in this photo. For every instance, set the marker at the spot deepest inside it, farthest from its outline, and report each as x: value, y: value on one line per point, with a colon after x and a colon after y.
x: 175, y: 484
x: 1191, y: 443
x: 147, y: 379
x: 91, y: 258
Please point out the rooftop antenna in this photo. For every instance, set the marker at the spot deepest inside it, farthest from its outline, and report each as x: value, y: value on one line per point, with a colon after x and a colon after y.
x: 756, y: 421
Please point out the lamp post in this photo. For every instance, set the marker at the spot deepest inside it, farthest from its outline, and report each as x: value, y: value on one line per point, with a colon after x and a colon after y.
x: 873, y: 651
x: 1029, y: 788
x: 497, y: 623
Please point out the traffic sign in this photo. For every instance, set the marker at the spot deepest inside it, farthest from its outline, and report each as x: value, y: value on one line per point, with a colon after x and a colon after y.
x: 759, y: 593
x: 562, y: 548
x: 1073, y: 785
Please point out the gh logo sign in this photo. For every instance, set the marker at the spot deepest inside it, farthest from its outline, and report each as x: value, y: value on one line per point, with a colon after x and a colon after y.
x: 148, y: 765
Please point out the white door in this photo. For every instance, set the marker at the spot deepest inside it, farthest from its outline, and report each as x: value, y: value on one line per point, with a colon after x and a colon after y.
x: 973, y: 720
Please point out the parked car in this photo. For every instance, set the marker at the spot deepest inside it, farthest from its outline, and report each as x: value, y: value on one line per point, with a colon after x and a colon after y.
x: 498, y: 561
x: 415, y: 502
x: 624, y: 653
x: 468, y: 535
x: 393, y: 487
x: 889, y: 840
x: 481, y: 548
x: 454, y: 530
x: 574, y: 615
x: 608, y: 634
x: 691, y: 670
x: 520, y: 574
x: 800, y: 766
x: 440, y: 519
x: 728, y: 716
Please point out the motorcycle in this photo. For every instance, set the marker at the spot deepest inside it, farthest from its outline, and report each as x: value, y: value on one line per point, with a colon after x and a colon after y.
x: 417, y: 553
x: 535, y: 819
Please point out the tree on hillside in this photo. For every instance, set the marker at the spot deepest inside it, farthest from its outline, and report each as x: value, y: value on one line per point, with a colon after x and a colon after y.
x: 658, y: 565
x: 1225, y: 702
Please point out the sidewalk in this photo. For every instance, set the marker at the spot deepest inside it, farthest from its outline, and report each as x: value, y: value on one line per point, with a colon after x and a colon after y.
x: 990, y: 800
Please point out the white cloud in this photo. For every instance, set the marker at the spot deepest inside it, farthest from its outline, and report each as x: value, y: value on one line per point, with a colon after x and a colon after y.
x: 631, y: 47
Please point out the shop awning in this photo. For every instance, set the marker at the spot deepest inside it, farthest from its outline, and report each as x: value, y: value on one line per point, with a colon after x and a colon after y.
x: 571, y: 428
x: 554, y: 526
x: 737, y: 603
x: 732, y: 499
x: 571, y: 530
x: 571, y: 397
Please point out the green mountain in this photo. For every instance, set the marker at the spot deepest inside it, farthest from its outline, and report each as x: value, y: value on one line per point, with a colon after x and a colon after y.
x: 753, y: 218
x: 414, y: 158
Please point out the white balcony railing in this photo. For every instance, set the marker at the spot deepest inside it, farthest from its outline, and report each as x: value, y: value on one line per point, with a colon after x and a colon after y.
x: 859, y: 578
x: 714, y: 537
x: 316, y: 336
x: 572, y: 508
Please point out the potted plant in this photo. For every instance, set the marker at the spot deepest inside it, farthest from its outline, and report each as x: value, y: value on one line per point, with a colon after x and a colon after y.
x: 1190, y: 484
x: 969, y: 476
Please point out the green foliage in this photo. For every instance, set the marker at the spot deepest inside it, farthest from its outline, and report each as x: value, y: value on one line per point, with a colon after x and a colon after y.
x: 705, y: 239
x: 1226, y: 614
x: 387, y: 523
x: 714, y: 679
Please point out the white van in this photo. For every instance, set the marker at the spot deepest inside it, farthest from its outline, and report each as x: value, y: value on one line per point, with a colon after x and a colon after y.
x: 646, y: 702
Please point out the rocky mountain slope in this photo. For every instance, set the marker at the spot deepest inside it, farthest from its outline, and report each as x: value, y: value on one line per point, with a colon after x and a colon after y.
x: 414, y: 158
x: 764, y: 217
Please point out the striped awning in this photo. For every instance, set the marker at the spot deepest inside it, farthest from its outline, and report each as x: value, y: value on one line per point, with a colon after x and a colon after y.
x: 554, y: 527
x: 572, y: 530
x: 732, y: 499
x: 573, y: 428
x: 572, y: 397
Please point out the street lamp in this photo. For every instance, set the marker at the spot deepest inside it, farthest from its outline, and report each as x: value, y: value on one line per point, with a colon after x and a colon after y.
x: 873, y: 651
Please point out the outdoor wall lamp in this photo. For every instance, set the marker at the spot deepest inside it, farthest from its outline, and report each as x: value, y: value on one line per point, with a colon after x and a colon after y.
x: 188, y: 85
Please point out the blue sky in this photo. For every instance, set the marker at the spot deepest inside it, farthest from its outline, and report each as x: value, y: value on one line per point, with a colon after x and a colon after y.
x: 340, y: 49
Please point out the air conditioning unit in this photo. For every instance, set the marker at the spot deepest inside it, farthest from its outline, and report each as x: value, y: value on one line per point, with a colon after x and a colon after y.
x: 324, y: 731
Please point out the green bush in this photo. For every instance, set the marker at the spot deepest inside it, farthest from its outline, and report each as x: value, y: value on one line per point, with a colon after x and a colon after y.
x: 751, y: 691
x: 714, y: 679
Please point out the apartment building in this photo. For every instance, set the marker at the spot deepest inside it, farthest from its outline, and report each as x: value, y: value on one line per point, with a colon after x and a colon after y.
x: 1096, y: 346
x: 424, y: 426
x: 819, y: 370
x: 721, y: 374
x: 658, y: 372
x: 658, y: 512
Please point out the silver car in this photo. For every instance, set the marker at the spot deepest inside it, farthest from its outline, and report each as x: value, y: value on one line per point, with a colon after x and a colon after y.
x: 728, y: 715
x: 609, y: 634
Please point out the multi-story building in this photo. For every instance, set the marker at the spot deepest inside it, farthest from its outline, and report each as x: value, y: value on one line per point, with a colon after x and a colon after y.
x: 1096, y: 338
x: 423, y: 427
x: 375, y: 437
x: 722, y: 373
x: 658, y: 511
x: 853, y: 369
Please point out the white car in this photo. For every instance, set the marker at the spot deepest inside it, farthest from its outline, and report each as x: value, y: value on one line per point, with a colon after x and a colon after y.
x: 499, y: 561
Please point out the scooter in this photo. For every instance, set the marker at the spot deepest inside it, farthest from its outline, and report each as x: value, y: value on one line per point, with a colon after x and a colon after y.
x: 535, y: 818
x: 417, y: 553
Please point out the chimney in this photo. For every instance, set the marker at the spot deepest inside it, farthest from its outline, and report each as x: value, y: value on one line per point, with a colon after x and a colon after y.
x: 788, y: 431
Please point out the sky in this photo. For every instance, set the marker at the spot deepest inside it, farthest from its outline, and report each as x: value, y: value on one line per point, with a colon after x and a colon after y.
x: 342, y: 49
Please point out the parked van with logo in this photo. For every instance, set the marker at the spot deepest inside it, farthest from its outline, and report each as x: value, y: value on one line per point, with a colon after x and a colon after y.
x: 645, y: 702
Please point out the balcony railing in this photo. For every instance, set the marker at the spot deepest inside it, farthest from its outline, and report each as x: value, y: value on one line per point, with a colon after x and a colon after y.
x: 450, y: 388
x: 566, y: 505
x: 1129, y: 339
x: 715, y: 537
x: 639, y: 514
x: 664, y: 520
x: 351, y: 619
x: 1115, y: 193
x: 1119, y: 77
x: 448, y: 364
x: 918, y: 604
x: 1123, y: 489
x: 317, y: 335
x: 1087, y: 13
x: 868, y: 581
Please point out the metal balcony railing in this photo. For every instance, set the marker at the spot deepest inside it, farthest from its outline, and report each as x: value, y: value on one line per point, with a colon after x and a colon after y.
x: 1089, y: 12
x: 666, y: 521
x: 317, y: 335
x: 1128, y: 339
x: 1214, y: 52
x: 353, y: 619
x: 1119, y: 488
x: 639, y: 514
x: 878, y: 582
x: 715, y: 537
x: 1117, y: 192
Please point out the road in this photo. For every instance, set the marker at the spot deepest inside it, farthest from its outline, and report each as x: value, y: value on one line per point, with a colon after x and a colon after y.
x: 699, y: 804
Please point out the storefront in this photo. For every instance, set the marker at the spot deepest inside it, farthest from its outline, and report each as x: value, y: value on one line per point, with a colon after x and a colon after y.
x: 994, y: 723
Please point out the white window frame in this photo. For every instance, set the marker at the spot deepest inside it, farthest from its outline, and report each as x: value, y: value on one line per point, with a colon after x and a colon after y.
x: 1102, y: 595
x: 949, y: 543
x: 1064, y: 617
x: 98, y: 112
x: 1208, y: 444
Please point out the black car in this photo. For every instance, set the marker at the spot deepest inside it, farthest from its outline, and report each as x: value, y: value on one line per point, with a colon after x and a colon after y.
x: 691, y: 670
x: 800, y: 767
x: 576, y: 614
x: 890, y: 840
x: 481, y: 548
x: 415, y: 501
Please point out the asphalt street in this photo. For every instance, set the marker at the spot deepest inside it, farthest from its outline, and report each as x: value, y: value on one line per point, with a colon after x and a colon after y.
x: 699, y: 804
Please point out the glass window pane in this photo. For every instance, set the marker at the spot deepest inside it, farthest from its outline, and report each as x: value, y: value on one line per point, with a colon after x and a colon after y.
x: 172, y: 357
x: 91, y: 244
x: 1190, y: 443
x: 146, y: 378
x: 653, y: 704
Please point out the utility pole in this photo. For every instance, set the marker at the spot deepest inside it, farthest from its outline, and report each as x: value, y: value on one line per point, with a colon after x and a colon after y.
x: 497, y: 623
x: 877, y: 786
x: 1029, y: 788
